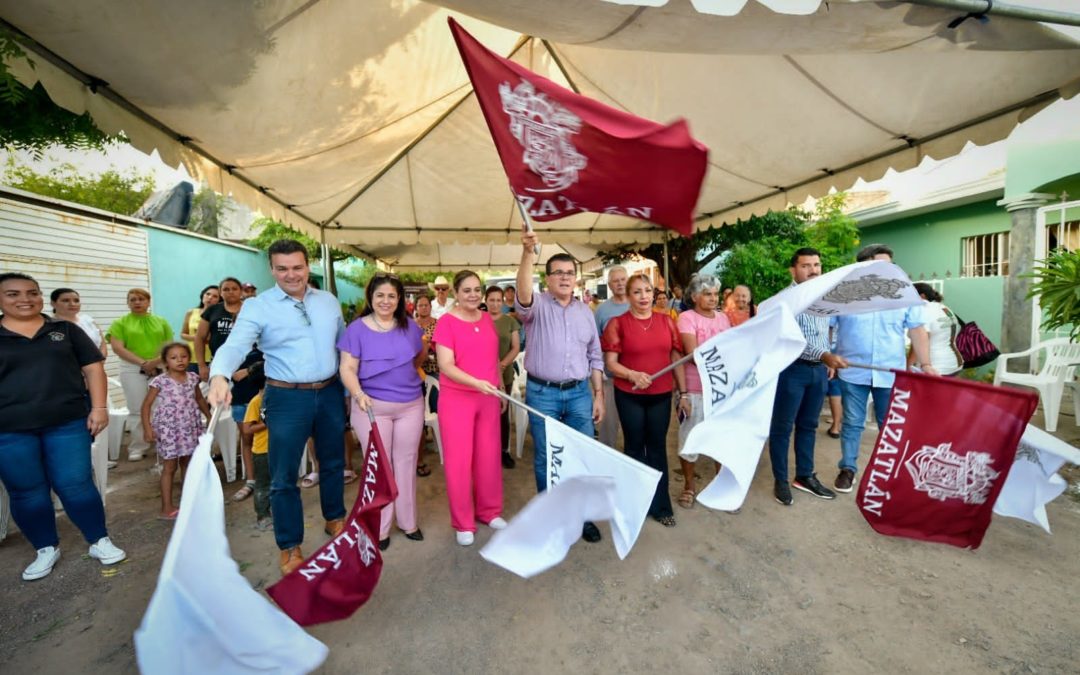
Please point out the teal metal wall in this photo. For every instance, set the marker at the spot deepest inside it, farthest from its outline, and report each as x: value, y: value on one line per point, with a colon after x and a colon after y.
x: 182, y: 264
x: 928, y: 247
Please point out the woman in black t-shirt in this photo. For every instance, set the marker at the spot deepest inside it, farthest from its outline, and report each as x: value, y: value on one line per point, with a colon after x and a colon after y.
x: 47, y: 422
x: 217, y: 322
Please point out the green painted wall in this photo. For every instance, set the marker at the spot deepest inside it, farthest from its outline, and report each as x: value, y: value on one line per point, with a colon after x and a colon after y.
x: 181, y: 265
x: 1031, y: 166
x: 928, y: 246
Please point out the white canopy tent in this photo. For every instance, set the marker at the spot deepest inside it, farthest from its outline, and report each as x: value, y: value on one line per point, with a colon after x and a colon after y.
x: 354, y: 121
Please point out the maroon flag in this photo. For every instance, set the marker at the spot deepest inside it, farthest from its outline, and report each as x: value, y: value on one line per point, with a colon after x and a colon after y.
x: 565, y: 153
x: 341, y: 576
x: 942, y: 457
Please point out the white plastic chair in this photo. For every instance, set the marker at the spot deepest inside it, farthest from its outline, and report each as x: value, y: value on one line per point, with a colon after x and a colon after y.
x: 118, y: 419
x: 99, y: 462
x: 521, y: 416
x: 431, y: 420
x: 1059, y: 368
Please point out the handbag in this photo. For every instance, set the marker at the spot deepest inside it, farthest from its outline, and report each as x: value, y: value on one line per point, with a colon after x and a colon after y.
x: 975, y: 348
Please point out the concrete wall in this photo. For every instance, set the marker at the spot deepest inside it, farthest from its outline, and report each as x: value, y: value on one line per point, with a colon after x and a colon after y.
x: 182, y: 264
x: 928, y: 247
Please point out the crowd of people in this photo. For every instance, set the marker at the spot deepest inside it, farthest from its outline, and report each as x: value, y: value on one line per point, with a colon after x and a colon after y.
x: 295, y: 377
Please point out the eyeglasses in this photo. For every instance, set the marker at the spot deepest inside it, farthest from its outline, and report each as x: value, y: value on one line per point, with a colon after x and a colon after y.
x: 568, y: 274
x: 442, y: 288
x: 303, y: 312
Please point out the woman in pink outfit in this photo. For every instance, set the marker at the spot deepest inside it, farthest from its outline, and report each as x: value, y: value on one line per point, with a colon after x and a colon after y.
x: 467, y: 348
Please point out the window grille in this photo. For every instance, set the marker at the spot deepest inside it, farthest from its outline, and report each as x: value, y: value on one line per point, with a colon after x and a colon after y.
x: 985, y: 255
x: 1063, y: 235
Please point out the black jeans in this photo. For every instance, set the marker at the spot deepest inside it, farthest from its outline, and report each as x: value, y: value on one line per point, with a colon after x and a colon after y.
x: 645, y: 419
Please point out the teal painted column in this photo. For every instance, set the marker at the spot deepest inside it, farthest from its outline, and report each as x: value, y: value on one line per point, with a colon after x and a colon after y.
x: 1016, y: 314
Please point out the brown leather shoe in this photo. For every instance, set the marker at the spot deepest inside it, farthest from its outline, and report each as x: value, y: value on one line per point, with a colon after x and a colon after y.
x: 334, y: 527
x: 291, y: 559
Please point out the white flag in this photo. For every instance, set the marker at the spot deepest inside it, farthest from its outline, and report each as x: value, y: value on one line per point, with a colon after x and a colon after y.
x: 869, y: 286
x: 539, y: 542
x: 739, y: 370
x: 541, y: 534
x: 1033, y: 481
x: 204, y: 616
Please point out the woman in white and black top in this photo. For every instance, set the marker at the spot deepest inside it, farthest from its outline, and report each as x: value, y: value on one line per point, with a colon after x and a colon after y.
x: 942, y: 325
x: 217, y: 322
x: 67, y: 305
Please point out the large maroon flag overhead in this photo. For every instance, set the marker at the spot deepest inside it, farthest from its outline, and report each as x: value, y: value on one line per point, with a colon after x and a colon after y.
x: 942, y: 457
x: 565, y: 153
x: 341, y: 576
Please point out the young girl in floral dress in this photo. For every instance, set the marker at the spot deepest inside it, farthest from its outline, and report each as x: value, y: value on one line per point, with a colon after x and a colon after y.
x: 174, y: 422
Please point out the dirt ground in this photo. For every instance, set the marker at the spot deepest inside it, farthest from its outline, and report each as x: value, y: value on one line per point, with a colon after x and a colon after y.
x: 808, y: 588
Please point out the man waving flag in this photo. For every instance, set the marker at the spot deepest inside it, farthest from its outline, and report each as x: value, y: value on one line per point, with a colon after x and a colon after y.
x: 564, y: 153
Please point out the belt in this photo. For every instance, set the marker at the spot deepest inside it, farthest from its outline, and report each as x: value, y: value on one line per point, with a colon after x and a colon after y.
x: 811, y: 364
x: 301, y: 385
x: 565, y: 384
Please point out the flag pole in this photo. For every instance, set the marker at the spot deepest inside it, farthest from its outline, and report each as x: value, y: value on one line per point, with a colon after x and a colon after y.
x: 520, y: 404
x: 867, y: 366
x: 528, y: 221
x: 690, y: 356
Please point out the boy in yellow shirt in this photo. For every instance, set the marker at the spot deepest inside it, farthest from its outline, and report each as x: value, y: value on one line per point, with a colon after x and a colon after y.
x: 255, y: 424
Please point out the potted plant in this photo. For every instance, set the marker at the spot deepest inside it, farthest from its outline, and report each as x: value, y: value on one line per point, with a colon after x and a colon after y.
x: 1057, y: 285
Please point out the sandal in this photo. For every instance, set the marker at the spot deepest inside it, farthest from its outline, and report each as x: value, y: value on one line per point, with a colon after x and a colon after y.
x: 245, y: 491
x: 310, y: 480
x: 350, y: 476
x: 171, y: 515
x: 422, y: 470
x: 686, y: 499
x: 667, y: 521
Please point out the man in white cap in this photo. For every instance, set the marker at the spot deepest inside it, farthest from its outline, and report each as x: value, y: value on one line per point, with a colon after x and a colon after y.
x: 442, y: 302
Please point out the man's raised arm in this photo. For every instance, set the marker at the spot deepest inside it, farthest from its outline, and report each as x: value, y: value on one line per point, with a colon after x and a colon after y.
x: 529, y: 242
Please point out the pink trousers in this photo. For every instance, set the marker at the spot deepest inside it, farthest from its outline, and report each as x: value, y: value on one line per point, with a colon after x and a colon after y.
x: 469, y: 425
x: 400, y: 426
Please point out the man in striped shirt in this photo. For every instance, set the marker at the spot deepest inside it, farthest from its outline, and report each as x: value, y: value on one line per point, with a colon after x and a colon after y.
x: 800, y: 392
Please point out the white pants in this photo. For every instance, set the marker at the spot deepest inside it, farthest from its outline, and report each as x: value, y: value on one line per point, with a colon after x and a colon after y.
x: 609, y: 426
x: 134, y: 383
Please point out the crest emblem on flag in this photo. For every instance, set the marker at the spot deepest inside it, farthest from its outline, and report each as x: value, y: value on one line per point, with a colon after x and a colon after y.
x: 543, y: 127
x: 943, y: 474
x: 866, y: 288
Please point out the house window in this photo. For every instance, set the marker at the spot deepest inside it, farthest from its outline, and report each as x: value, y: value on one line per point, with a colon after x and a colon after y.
x: 1063, y: 235
x: 986, y: 255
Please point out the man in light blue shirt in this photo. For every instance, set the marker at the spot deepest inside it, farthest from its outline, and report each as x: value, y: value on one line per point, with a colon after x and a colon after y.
x: 875, y: 339
x: 297, y: 328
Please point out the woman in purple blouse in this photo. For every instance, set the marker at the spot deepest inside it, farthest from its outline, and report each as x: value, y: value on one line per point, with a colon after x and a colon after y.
x: 380, y: 354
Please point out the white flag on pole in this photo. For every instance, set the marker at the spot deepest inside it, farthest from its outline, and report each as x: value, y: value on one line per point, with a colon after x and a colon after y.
x: 739, y: 369
x: 204, y: 616
x: 539, y: 537
x: 541, y: 534
x: 869, y: 286
x: 1033, y: 481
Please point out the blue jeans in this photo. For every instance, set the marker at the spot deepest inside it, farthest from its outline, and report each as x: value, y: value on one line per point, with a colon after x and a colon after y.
x: 572, y: 407
x: 800, y: 391
x: 293, y: 416
x: 854, y: 399
x: 53, y: 458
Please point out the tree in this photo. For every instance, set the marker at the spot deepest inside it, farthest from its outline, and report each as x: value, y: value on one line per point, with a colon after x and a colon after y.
x: 207, y: 212
x: 111, y: 190
x: 29, y: 120
x: 687, y: 255
x: 762, y: 263
x: 271, y: 230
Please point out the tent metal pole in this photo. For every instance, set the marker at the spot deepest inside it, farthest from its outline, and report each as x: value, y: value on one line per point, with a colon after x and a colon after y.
x: 667, y: 270
x: 560, y: 66
x: 1003, y: 9
x: 522, y: 41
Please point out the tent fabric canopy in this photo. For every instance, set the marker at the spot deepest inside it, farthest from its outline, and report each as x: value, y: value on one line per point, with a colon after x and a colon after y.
x: 355, y: 121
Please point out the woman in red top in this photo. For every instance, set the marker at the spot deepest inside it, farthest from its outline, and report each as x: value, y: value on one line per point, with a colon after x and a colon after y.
x: 636, y: 344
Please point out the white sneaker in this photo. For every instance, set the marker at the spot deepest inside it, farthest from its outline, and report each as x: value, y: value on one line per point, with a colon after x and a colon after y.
x: 465, y: 538
x: 135, y: 456
x: 111, y: 464
x: 106, y: 551
x: 497, y: 523
x: 43, y: 564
